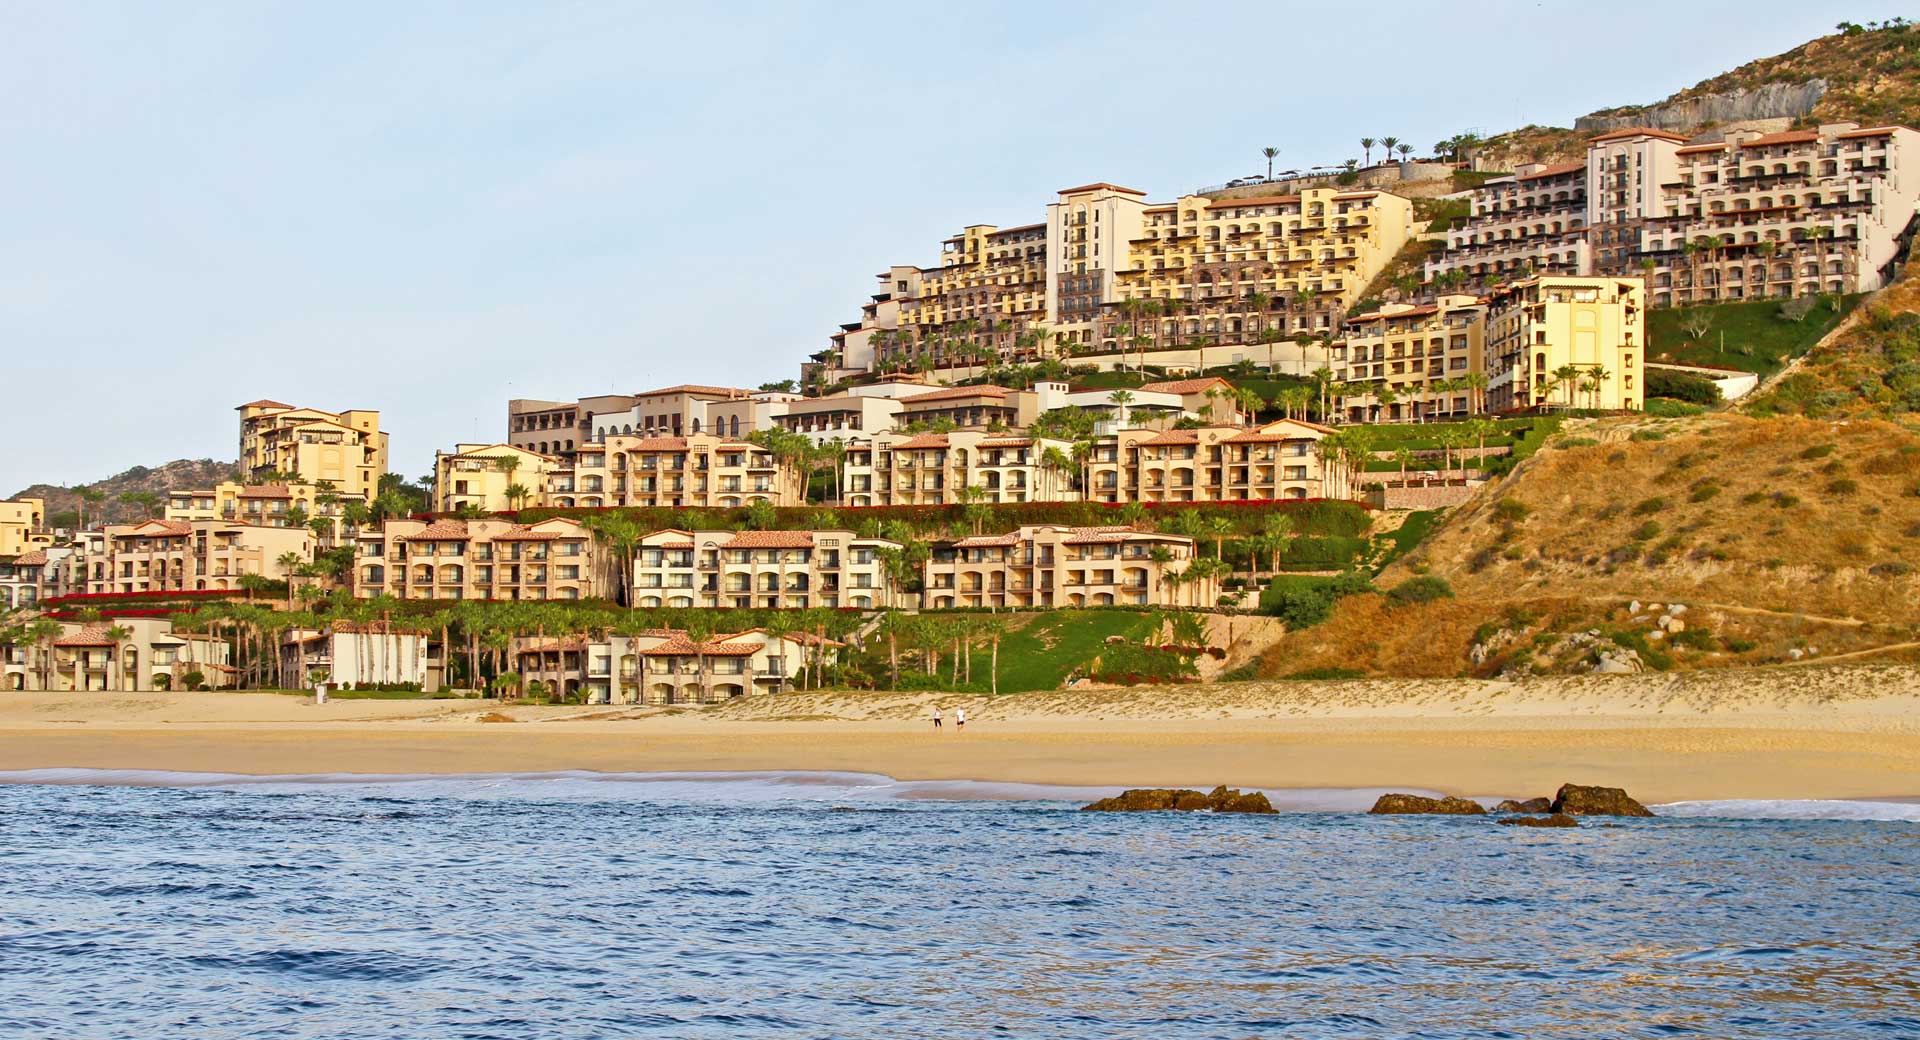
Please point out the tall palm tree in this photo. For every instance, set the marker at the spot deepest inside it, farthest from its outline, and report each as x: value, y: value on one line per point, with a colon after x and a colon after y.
x: 1389, y: 143
x: 1271, y: 154
x: 1405, y: 150
x: 1566, y: 376
x: 1368, y: 143
x: 118, y: 636
x: 1120, y: 399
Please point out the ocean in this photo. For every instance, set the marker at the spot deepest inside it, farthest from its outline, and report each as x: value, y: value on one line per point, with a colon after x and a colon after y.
x: 840, y: 905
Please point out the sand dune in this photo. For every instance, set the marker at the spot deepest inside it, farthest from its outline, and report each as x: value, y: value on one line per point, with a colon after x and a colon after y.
x: 1830, y: 732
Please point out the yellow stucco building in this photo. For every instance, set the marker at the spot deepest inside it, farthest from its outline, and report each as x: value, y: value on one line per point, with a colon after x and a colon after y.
x: 346, y: 449
x: 1571, y: 342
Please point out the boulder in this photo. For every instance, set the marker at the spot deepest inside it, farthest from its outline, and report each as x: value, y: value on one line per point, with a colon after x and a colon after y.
x: 1531, y: 805
x: 1618, y: 661
x: 1162, y: 799
x: 1412, y: 804
x: 1577, y: 800
x: 1556, y: 820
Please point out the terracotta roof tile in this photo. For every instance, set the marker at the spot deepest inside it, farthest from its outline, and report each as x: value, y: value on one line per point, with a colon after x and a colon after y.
x: 263, y: 403
x: 771, y: 540
x: 267, y: 491
x: 30, y: 558
x: 441, y: 530
x: 546, y: 645
x: 1171, y: 437
x: 159, y: 529
x: 1637, y: 131
x: 92, y: 635
x: 923, y: 440
x: 1785, y: 137
x: 956, y: 392
x: 375, y: 628
x: 1693, y: 148
x: 658, y: 444
x: 679, y: 645
x: 1555, y: 170
x: 984, y: 541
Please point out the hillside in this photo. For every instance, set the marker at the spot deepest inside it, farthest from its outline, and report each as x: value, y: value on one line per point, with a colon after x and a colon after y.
x: 1786, y: 539
x: 1870, y: 75
x: 63, y: 503
x: 1870, y: 370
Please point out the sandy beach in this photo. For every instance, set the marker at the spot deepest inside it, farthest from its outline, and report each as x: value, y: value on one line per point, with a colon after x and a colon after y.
x: 1780, y: 733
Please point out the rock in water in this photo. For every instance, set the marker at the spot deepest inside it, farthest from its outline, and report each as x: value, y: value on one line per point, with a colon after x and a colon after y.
x: 1531, y: 805
x: 1556, y: 820
x: 1161, y: 799
x: 1408, y: 804
x: 1576, y: 800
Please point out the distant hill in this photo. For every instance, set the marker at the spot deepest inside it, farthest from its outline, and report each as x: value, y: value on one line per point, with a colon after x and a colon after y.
x: 64, y: 502
x: 1869, y: 75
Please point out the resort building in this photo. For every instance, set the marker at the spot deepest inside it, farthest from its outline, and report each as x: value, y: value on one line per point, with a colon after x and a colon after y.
x: 1272, y: 461
x: 491, y: 477
x: 259, y: 505
x: 1731, y: 215
x: 347, y: 655
x: 699, y: 469
x: 1110, y: 278
x: 930, y: 469
x: 1787, y: 214
x: 1423, y: 357
x: 784, y: 570
x: 843, y: 416
x: 480, y: 559
x: 144, y: 654
x: 346, y: 449
x: 1537, y: 218
x: 32, y: 576
x: 559, y: 428
x: 667, y: 666
x: 1571, y: 342
x: 182, y: 555
x: 23, y: 526
x: 1057, y: 566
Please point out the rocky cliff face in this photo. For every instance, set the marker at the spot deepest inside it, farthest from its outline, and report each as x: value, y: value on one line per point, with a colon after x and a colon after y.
x: 1768, y: 101
x: 180, y: 473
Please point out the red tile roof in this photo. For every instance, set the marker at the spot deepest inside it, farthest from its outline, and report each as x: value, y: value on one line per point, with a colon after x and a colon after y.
x: 1553, y: 171
x: 1693, y: 148
x: 92, y: 635
x: 658, y: 444
x: 1786, y: 137
x: 1875, y: 131
x: 771, y: 540
x: 375, y: 628
x: 1171, y: 437
x: 922, y: 440
x: 798, y: 637
x: 1097, y: 185
x: 267, y: 491
x: 29, y: 558
x: 262, y: 403
x: 695, y: 388
x: 1185, y: 386
x: 546, y: 645
x: 441, y: 529
x: 679, y: 645
x: 984, y: 541
x: 1637, y: 131
x: 160, y: 528
x: 954, y: 392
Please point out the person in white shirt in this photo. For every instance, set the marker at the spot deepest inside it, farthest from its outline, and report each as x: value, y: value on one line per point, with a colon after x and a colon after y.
x: 936, y: 718
x: 959, y: 718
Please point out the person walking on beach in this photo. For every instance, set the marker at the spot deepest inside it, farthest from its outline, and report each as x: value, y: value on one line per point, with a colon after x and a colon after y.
x: 936, y: 718
x: 959, y: 718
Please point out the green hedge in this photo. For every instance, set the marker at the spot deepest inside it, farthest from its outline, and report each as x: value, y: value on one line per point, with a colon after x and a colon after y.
x: 1323, y: 554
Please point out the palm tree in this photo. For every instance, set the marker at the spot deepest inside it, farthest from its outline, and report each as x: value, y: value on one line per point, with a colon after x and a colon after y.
x: 288, y: 561
x: 1404, y: 456
x: 1389, y: 143
x: 1600, y: 375
x: 1271, y: 154
x: 1405, y: 150
x: 621, y: 535
x: 1477, y: 386
x: 1368, y: 143
x: 1120, y: 399
x: 1566, y: 376
x: 43, y: 632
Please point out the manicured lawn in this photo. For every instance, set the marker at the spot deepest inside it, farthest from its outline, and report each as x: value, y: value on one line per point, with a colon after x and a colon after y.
x: 1750, y: 337
x: 1409, y: 534
x: 1042, y: 653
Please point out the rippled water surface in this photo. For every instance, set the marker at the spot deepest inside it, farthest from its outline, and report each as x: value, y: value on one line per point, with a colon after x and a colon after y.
x: 566, y: 907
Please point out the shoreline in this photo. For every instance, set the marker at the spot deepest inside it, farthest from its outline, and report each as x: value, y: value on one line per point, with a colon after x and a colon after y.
x: 1835, y: 733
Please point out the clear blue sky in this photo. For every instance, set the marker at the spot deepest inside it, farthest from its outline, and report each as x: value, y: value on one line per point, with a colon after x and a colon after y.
x: 428, y: 208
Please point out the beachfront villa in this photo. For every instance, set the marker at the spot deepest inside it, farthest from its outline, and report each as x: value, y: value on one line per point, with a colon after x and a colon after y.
x: 668, y: 666
x: 143, y: 654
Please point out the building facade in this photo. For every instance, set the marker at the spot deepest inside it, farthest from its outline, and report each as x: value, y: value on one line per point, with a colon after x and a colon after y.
x: 1423, y: 356
x: 667, y: 666
x: 1059, y: 566
x: 345, y: 449
x: 554, y: 559
x: 491, y: 477
x: 23, y: 526
x: 1273, y: 461
x: 191, y: 555
x: 696, y: 470
x: 785, y: 570
x: 1571, y: 342
x: 1537, y: 217
x: 146, y: 654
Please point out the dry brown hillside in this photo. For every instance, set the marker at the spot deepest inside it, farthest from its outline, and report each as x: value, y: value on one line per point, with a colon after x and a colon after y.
x: 1784, y: 539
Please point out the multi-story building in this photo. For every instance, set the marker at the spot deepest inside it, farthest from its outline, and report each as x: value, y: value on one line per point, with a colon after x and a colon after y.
x: 490, y: 477
x: 1108, y: 274
x: 785, y: 570
x: 147, y: 654
x: 1735, y: 215
x: 931, y: 468
x: 347, y: 654
x: 32, y: 576
x: 261, y: 505
x: 1574, y: 342
x: 345, y: 449
x: 23, y: 526
x: 667, y: 666
x: 480, y: 559
x: 699, y: 469
x: 191, y: 555
x: 1058, y: 566
x: 842, y: 416
x: 1537, y: 217
x: 1787, y: 214
x: 559, y: 428
x: 1276, y: 460
x: 1422, y: 355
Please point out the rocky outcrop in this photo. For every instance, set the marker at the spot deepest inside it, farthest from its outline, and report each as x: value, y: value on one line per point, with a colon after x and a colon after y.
x: 1767, y: 101
x: 1162, y: 799
x: 1556, y: 820
x: 1578, y: 800
x: 1413, y: 804
x: 1531, y: 805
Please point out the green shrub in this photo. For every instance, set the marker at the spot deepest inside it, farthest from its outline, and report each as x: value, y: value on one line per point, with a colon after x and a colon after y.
x: 1649, y: 507
x: 1510, y: 510
x: 1843, y: 486
x: 1682, y: 386
x: 1704, y: 492
x: 1305, y: 602
x: 1785, y: 500
x: 1325, y: 674
x: 1424, y: 589
x: 1647, y: 531
x: 1649, y: 435
x: 1818, y: 451
x: 1741, y: 646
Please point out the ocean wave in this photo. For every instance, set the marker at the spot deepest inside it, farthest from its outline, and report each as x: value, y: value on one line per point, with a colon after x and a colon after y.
x: 1795, y: 809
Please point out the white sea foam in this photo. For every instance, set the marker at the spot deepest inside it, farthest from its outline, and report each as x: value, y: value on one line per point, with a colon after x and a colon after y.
x: 1794, y: 809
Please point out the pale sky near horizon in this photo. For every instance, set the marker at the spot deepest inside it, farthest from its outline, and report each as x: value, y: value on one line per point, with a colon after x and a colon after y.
x: 429, y: 208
